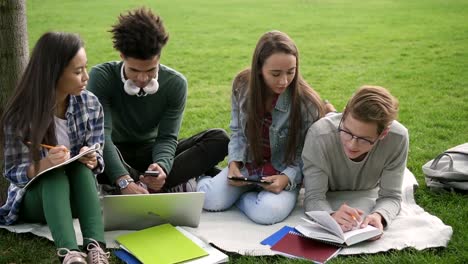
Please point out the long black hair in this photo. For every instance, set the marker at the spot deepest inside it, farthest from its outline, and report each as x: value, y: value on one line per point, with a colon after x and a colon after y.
x: 29, y: 113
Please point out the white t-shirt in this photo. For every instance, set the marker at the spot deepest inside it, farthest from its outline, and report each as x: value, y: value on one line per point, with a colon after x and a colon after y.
x: 61, y: 132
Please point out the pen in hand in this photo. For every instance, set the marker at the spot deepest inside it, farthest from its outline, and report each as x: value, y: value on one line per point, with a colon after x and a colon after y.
x: 45, y: 146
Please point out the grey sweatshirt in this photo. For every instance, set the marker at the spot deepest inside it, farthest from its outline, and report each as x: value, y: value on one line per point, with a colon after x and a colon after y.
x: 327, y: 168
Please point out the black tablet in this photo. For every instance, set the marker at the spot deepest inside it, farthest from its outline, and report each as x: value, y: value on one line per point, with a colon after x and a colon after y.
x: 235, y: 178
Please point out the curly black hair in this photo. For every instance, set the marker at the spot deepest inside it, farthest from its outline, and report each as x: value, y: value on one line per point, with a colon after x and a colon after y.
x: 139, y: 34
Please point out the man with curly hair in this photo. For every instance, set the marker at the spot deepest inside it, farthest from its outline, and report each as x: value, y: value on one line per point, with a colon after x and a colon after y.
x: 143, y: 103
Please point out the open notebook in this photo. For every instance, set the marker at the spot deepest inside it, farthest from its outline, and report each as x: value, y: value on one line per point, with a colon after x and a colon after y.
x: 70, y: 160
x: 324, y: 228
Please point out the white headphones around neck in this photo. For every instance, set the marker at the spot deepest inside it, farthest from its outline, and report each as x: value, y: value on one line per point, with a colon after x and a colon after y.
x: 132, y: 89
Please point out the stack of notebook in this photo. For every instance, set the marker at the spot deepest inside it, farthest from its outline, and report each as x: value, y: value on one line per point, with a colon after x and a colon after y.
x: 288, y: 242
x: 166, y: 244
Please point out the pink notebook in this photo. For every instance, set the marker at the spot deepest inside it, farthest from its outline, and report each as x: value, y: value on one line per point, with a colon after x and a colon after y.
x: 295, y: 245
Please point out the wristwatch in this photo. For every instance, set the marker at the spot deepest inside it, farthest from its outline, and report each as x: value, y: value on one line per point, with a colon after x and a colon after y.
x: 123, y: 183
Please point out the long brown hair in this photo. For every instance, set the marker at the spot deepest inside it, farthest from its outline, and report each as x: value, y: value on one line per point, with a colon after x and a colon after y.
x: 302, y: 96
x: 29, y: 113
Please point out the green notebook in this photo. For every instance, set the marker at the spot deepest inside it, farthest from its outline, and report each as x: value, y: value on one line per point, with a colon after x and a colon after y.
x: 160, y: 244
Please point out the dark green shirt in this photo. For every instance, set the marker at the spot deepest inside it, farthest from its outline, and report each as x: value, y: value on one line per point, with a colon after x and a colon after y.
x: 131, y: 119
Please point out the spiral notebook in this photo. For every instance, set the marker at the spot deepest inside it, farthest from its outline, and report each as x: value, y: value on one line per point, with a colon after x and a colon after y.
x: 92, y: 148
x: 296, y: 245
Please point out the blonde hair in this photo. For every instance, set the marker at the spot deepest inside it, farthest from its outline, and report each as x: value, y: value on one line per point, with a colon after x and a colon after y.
x: 373, y: 104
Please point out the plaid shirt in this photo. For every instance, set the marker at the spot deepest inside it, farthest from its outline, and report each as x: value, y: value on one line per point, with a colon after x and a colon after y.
x: 267, y: 168
x: 85, y: 121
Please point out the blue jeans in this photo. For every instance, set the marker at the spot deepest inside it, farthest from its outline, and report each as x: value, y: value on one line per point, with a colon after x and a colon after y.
x: 261, y: 206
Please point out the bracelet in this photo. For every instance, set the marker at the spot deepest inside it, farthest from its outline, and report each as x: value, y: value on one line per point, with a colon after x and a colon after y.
x: 291, y: 186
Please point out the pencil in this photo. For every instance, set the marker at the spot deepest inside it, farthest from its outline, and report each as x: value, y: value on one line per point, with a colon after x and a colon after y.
x: 352, y: 215
x: 45, y: 146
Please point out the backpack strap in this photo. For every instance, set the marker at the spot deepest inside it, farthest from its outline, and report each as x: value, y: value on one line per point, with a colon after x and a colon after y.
x: 437, y: 159
x: 456, y: 152
x: 446, y: 153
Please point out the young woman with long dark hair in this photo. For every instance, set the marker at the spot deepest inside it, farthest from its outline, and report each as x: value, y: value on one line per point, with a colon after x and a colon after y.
x: 50, y: 106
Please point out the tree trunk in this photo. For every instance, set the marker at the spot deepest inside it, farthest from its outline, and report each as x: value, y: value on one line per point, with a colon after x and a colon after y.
x: 13, y: 57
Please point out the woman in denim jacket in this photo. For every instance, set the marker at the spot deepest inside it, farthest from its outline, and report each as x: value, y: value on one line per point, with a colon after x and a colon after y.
x: 272, y: 108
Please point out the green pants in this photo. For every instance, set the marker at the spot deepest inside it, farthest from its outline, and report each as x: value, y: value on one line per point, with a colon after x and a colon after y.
x: 59, y: 196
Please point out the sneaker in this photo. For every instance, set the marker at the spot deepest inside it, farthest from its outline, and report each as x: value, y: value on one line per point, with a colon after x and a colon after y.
x: 96, y: 254
x: 189, y: 186
x: 71, y: 257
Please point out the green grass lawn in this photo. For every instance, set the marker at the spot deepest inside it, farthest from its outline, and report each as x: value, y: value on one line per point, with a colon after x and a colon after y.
x: 418, y: 49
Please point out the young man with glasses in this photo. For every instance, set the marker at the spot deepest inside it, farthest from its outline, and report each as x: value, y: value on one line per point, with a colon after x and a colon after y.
x: 361, y: 149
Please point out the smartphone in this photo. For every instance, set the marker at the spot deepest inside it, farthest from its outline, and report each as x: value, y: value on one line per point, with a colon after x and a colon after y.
x: 151, y: 173
x: 235, y: 178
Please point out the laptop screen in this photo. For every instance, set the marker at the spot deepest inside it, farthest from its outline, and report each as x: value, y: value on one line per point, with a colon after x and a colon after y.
x: 135, y: 212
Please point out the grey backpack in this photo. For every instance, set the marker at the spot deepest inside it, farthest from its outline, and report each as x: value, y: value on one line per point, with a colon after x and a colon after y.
x: 449, y: 170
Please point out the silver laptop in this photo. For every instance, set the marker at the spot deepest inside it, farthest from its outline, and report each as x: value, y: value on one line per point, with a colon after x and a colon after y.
x: 135, y: 212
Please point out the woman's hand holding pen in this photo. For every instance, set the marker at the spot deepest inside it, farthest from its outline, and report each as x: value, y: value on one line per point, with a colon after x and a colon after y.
x: 57, y: 155
x: 89, y: 159
x: 347, y: 217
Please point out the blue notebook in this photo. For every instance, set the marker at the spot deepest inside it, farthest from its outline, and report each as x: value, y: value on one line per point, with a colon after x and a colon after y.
x: 277, y: 236
x: 126, y: 257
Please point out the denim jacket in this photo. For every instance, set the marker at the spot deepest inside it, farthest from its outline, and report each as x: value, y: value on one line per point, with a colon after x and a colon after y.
x: 238, y: 145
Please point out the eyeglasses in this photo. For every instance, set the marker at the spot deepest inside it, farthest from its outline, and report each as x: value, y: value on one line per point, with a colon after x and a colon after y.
x: 348, y: 136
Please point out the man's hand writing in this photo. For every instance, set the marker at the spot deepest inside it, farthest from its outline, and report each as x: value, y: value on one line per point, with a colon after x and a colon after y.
x: 347, y: 217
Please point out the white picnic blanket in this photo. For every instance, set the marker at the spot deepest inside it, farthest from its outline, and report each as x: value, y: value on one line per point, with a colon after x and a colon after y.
x: 233, y: 231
